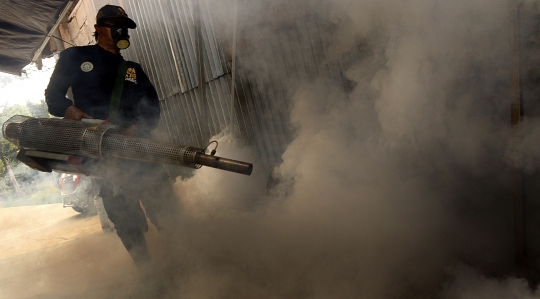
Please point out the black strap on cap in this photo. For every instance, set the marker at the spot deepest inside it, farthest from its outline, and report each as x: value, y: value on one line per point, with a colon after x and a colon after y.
x: 117, y: 92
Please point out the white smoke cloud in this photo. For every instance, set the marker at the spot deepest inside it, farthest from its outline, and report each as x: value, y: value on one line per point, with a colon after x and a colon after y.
x: 470, y: 283
x: 384, y: 184
x: 389, y: 178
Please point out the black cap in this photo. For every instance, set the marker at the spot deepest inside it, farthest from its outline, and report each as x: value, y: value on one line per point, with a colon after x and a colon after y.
x: 113, y: 11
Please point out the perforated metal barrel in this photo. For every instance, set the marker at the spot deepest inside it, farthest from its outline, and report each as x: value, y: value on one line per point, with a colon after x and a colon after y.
x: 10, y: 128
x: 149, y: 150
x: 57, y: 135
x: 98, y: 141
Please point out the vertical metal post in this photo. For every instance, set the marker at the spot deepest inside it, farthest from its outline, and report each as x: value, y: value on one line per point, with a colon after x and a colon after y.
x: 516, y: 113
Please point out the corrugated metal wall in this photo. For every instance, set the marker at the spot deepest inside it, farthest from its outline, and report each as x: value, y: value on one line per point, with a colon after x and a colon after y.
x: 164, y: 43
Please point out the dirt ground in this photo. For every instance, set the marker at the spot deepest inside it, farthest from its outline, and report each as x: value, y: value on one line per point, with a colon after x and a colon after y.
x: 52, y: 252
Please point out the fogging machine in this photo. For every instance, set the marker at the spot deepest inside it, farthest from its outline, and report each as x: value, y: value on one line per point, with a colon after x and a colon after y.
x: 63, y: 145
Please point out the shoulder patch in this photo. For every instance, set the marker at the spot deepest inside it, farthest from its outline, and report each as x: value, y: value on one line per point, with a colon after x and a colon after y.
x: 87, y: 66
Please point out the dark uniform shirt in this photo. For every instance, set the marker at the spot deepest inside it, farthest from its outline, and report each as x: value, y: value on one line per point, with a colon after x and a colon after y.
x: 91, y: 73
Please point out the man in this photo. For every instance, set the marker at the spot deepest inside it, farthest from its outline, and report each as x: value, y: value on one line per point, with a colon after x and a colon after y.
x: 92, y: 73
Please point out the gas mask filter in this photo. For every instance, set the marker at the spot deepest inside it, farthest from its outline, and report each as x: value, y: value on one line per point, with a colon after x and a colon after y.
x: 120, y: 36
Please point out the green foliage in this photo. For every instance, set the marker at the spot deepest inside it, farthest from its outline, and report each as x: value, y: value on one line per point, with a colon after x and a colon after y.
x: 5, y: 79
x: 25, y: 176
x: 38, y: 109
x: 9, y: 149
x: 45, y: 195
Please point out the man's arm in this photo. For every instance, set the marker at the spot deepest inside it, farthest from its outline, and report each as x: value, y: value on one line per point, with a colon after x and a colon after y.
x: 55, y: 94
x: 75, y: 113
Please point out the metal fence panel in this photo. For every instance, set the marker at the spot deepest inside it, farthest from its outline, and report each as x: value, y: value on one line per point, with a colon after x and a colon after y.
x: 165, y: 45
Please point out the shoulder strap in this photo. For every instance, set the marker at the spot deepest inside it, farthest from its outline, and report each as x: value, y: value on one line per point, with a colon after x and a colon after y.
x: 117, y: 92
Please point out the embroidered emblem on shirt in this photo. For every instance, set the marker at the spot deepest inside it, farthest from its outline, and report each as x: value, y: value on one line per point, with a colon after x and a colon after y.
x: 87, y: 66
x: 131, y: 76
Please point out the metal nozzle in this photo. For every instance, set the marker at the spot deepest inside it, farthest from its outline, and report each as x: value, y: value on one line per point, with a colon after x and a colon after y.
x: 224, y: 163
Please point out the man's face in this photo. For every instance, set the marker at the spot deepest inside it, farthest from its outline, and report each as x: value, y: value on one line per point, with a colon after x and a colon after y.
x: 105, y: 33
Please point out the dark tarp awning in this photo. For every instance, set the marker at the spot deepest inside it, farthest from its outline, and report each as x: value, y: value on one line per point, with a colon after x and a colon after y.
x: 24, y: 25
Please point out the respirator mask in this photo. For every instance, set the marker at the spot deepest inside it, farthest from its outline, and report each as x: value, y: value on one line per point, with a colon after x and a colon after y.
x: 120, y: 36
x: 115, y: 18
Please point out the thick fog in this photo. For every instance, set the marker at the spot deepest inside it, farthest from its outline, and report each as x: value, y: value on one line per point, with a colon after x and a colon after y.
x: 397, y: 183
